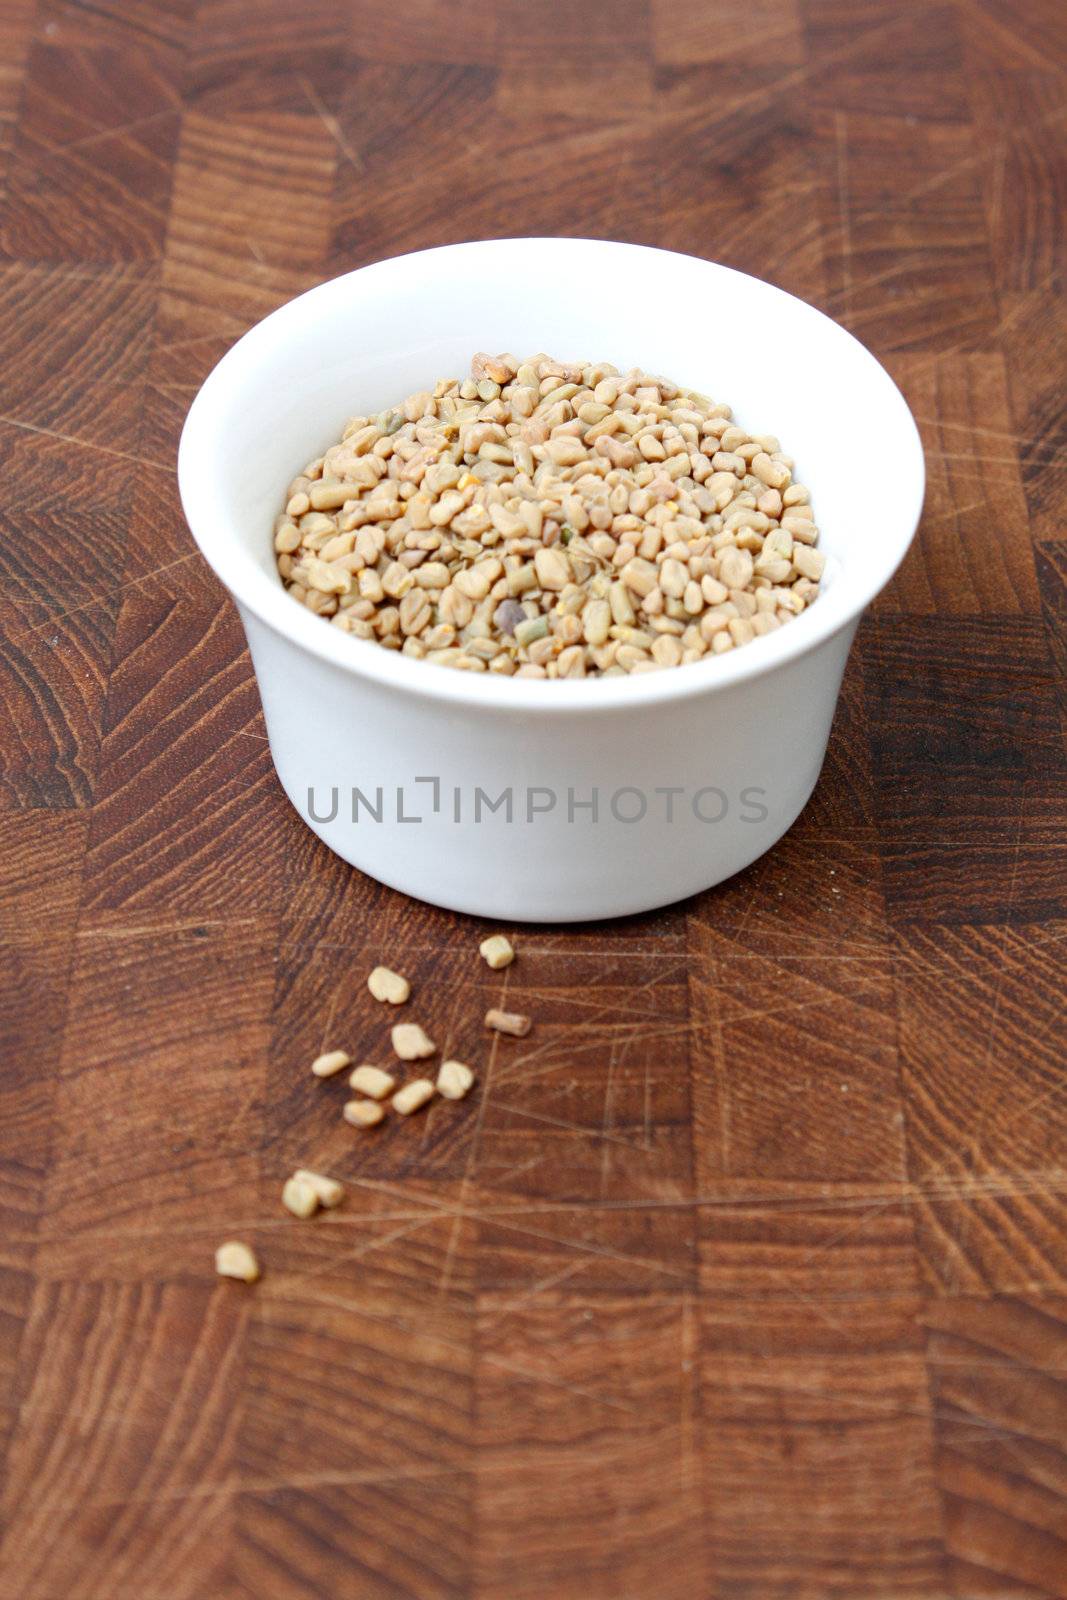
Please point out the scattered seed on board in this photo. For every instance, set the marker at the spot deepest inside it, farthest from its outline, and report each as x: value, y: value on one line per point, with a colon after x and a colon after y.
x: 333, y: 1061
x: 363, y: 1113
x: 235, y: 1260
x: 330, y: 1193
x: 299, y: 1197
x: 413, y: 1096
x: 372, y: 1082
x: 388, y: 987
x: 516, y: 524
x: 454, y: 1080
x: 411, y: 1043
x: 508, y: 1022
x: 497, y: 951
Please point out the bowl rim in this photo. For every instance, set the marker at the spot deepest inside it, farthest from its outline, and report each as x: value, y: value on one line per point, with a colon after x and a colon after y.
x: 260, y: 594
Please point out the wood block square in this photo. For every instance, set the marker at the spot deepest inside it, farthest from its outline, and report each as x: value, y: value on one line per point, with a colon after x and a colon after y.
x: 423, y: 32
x: 876, y: 61
x: 982, y: 1024
x: 1000, y: 1415
x: 587, y: 1418
x: 1052, y: 581
x: 159, y: 1101
x: 568, y: 179
x: 40, y: 855
x: 969, y: 766
x: 374, y: 1535
x: 187, y: 803
x: 16, y: 34
x: 1034, y: 339
x: 767, y: 32
x: 53, y: 681
x: 272, y: 57
x: 907, y: 257
x: 89, y: 335
x: 972, y: 555
x: 165, y: 26
x: 818, y: 1245
x: 732, y: 160
x: 796, y: 1075
x: 250, y: 219
x: 90, y: 175
x: 140, y: 1485
x: 819, y: 1463
x: 591, y: 34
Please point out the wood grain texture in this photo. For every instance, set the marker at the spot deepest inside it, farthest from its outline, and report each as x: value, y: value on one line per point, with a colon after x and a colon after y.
x: 744, y: 1276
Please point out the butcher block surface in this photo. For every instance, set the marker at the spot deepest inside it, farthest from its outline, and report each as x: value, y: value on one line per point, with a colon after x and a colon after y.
x: 743, y: 1276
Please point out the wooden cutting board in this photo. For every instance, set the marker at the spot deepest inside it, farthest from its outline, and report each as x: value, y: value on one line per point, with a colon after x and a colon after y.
x: 743, y: 1275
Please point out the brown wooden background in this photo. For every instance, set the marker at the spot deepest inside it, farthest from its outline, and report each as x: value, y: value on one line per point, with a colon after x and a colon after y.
x: 744, y: 1276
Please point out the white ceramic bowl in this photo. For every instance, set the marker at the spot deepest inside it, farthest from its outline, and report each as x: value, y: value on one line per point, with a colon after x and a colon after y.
x: 695, y: 771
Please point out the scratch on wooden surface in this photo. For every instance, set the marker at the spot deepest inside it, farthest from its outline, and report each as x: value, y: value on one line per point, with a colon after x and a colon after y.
x: 86, y: 444
x: 331, y: 124
x: 103, y: 599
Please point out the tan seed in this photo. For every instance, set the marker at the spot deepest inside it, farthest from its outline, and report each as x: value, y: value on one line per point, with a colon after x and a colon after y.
x: 388, y: 986
x: 413, y: 1096
x: 497, y: 951
x: 299, y: 1198
x: 236, y: 1260
x: 372, y: 1082
x: 508, y: 1022
x: 411, y: 1043
x: 333, y: 1061
x: 329, y: 1192
x: 454, y: 1080
x: 363, y: 1113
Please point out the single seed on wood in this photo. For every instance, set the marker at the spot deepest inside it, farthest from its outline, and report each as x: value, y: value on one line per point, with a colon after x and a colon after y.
x: 333, y: 1061
x: 413, y: 1096
x: 411, y: 1043
x: 454, y: 1080
x: 372, y: 1082
x: 508, y: 1022
x: 236, y: 1260
x: 497, y: 951
x: 363, y: 1113
x: 330, y: 1193
x: 388, y: 986
x: 299, y: 1197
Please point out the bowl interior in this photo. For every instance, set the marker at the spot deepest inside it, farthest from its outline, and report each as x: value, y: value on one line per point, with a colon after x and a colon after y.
x: 364, y: 341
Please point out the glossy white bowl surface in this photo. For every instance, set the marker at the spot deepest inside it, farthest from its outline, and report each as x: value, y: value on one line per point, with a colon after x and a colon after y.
x: 695, y: 770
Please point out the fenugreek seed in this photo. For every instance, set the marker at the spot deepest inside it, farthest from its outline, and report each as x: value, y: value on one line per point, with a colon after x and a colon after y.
x: 497, y: 951
x: 331, y: 496
x: 735, y: 568
x: 329, y: 1192
x: 333, y: 1061
x: 508, y: 1022
x: 454, y: 1080
x: 552, y: 568
x: 529, y: 632
x: 299, y: 1198
x: 411, y: 1043
x: 809, y: 563
x: 413, y: 1096
x: 372, y: 1082
x: 236, y: 1260
x: 388, y: 986
x: 363, y: 1113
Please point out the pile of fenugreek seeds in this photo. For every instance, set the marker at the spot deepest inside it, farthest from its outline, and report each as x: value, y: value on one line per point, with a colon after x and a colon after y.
x: 547, y: 520
x: 305, y: 1191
